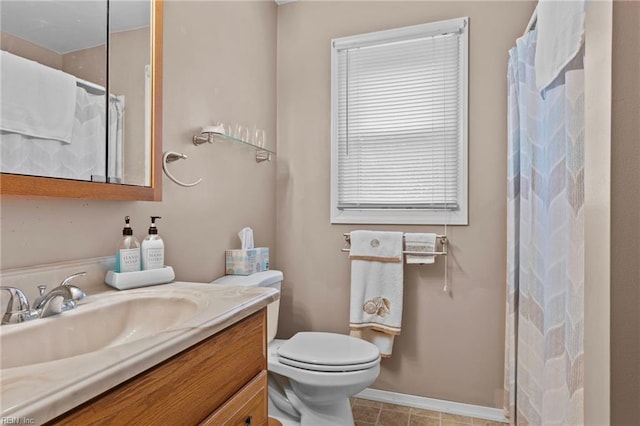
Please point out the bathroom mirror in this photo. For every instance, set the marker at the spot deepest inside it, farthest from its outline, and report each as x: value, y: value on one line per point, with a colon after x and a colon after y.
x: 85, y: 118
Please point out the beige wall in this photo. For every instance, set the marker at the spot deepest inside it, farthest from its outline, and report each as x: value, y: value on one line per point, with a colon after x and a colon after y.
x: 88, y: 64
x: 129, y: 52
x: 206, y: 77
x: 451, y: 345
x: 625, y: 218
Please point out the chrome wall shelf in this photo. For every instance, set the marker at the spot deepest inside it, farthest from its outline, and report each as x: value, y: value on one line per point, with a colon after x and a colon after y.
x: 262, y: 153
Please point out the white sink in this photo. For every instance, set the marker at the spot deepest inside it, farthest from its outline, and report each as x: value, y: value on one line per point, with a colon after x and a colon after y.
x: 54, y: 364
x: 92, y: 327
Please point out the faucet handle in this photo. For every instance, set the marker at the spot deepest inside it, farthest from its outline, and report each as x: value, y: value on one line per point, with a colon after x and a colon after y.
x: 42, y: 289
x: 18, y: 307
x: 70, y: 278
x: 17, y: 296
x: 76, y: 292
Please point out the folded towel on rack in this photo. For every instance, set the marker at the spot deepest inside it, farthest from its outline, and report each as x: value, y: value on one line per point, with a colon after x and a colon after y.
x: 376, y: 246
x: 37, y: 101
x: 376, y: 287
x: 423, y: 242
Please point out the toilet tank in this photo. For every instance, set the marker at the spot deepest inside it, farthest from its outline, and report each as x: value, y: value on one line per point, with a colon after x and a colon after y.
x: 271, y: 279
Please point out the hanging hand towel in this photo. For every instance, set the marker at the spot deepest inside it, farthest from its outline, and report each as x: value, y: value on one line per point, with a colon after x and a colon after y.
x: 376, y: 287
x: 420, y: 242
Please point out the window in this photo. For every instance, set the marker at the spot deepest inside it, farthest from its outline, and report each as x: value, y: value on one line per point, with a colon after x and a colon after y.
x: 399, y: 125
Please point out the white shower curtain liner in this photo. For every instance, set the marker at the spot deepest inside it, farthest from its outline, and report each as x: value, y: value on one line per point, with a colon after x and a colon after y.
x: 545, y: 244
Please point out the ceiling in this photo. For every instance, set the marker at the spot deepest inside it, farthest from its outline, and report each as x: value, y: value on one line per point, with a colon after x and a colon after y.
x: 68, y: 25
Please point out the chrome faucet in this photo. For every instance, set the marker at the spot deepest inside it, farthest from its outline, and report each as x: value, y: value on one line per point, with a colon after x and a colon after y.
x: 18, y: 307
x: 60, y: 299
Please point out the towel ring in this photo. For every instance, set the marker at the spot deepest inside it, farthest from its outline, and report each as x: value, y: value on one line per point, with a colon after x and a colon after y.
x: 170, y: 156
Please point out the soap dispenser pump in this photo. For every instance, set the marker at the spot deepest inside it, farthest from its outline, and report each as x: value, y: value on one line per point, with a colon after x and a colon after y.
x: 128, y: 253
x: 153, y: 248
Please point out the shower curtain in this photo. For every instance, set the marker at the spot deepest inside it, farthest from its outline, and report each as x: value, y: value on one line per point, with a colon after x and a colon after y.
x: 545, y: 243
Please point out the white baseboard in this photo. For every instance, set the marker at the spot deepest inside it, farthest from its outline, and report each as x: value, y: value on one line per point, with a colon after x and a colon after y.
x: 477, y: 411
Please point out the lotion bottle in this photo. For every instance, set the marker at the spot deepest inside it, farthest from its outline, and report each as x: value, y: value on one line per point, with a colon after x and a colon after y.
x: 153, y: 248
x: 128, y: 253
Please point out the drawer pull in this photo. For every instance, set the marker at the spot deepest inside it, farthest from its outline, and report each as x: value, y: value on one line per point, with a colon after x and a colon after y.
x: 248, y: 421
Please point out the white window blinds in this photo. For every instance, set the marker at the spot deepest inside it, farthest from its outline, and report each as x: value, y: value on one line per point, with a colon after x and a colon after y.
x: 399, y: 119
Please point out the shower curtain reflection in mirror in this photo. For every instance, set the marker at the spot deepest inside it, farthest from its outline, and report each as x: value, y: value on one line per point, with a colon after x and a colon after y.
x: 52, y: 124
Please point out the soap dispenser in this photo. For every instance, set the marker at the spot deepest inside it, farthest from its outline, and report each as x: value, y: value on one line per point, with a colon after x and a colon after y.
x: 153, y: 248
x: 128, y: 253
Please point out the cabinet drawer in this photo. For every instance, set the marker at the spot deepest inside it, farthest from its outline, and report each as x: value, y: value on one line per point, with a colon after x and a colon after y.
x: 186, y: 388
x: 248, y: 407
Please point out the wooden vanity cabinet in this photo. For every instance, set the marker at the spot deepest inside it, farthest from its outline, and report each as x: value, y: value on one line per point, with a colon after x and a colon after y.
x: 219, y: 381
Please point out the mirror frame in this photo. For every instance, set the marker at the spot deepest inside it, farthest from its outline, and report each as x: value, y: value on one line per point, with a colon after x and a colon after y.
x: 12, y: 184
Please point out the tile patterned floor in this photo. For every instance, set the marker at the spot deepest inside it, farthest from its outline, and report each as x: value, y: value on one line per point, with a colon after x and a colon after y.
x: 373, y: 413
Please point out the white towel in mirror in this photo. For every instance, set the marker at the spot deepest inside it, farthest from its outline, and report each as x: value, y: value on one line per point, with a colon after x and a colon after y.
x: 37, y: 101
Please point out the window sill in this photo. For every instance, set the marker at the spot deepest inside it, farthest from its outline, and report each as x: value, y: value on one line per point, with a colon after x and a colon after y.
x: 399, y: 217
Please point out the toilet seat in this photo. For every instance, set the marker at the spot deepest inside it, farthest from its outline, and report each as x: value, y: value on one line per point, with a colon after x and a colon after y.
x: 328, y: 368
x: 328, y: 352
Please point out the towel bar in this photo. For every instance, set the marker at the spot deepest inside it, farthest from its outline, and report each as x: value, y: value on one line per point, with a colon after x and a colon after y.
x: 443, y: 240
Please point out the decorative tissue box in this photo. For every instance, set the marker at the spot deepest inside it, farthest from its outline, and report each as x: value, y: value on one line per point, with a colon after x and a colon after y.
x: 246, y: 262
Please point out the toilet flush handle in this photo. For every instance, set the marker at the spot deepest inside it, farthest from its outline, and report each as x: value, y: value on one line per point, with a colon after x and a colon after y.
x: 248, y: 421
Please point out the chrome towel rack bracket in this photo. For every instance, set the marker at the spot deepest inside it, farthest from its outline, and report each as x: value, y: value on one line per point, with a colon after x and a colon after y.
x: 444, y: 242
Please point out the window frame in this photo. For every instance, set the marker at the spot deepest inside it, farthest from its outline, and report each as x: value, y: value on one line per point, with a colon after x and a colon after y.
x: 400, y: 215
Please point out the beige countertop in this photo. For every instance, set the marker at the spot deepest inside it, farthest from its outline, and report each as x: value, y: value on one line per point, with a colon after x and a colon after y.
x: 41, y: 384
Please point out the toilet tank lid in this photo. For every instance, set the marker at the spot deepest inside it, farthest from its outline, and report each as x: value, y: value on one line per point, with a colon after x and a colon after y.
x: 259, y: 279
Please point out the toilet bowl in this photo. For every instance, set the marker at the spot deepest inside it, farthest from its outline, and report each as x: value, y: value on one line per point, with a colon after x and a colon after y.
x: 312, y: 374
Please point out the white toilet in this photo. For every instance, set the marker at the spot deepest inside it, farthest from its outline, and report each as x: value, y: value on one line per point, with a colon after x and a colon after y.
x: 313, y: 374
